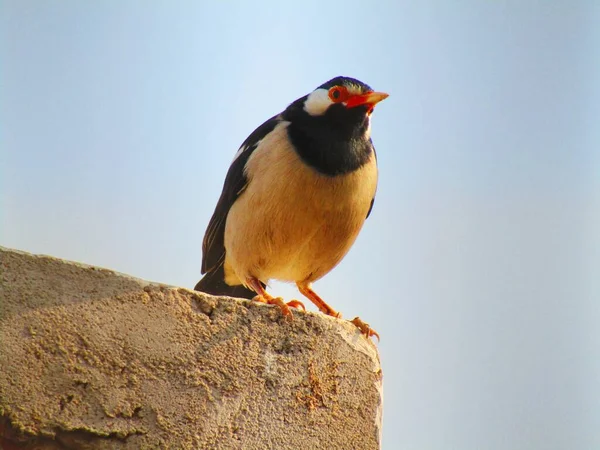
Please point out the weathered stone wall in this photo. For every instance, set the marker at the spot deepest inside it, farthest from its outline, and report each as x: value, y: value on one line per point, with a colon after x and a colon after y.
x: 90, y: 358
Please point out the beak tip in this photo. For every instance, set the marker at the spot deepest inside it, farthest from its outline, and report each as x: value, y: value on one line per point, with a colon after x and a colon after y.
x: 382, y: 95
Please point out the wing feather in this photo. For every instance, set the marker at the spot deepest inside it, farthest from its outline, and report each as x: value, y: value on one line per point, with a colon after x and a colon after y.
x: 213, y: 245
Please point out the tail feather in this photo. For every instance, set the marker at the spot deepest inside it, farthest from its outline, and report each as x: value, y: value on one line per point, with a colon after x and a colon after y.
x: 213, y: 282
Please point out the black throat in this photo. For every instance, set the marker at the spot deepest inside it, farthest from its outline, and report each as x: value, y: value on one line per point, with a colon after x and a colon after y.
x: 334, y: 143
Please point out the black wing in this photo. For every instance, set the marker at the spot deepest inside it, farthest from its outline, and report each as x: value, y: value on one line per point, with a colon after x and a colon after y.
x: 371, y: 207
x: 373, y: 200
x: 213, y: 246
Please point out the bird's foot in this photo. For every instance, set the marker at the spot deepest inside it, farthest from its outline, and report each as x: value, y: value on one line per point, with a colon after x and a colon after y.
x: 296, y: 304
x: 285, y: 307
x: 364, y: 328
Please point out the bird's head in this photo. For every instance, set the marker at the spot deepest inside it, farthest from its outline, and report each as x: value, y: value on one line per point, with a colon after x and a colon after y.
x: 342, y: 96
x: 330, y: 127
x: 340, y: 108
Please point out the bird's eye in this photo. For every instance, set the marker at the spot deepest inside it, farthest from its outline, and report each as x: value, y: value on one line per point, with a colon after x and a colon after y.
x: 338, y: 94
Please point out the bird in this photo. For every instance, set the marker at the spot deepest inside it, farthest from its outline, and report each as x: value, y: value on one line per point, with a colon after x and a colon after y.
x: 295, y: 197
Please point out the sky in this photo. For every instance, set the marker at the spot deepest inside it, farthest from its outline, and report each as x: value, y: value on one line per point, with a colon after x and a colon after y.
x: 479, y: 265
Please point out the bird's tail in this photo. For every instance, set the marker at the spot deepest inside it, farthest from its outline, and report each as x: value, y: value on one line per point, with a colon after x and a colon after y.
x: 214, y: 283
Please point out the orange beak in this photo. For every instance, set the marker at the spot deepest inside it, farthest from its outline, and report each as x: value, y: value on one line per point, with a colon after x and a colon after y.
x: 370, y: 99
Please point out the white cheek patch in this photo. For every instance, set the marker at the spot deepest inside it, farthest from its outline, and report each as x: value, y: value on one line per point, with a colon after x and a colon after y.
x: 317, y: 102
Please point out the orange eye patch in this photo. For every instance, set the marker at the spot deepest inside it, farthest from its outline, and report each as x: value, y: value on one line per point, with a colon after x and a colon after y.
x: 338, y: 94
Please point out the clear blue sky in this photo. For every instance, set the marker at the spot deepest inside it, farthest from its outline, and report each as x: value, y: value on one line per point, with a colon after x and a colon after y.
x: 480, y: 265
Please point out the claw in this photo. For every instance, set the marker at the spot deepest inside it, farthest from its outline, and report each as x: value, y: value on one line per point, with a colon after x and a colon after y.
x: 365, y: 328
x: 296, y: 304
x: 285, y: 310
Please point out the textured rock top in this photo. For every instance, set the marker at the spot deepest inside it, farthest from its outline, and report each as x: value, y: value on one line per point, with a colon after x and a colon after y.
x: 90, y: 358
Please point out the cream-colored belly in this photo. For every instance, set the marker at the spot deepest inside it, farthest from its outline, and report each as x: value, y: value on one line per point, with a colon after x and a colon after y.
x: 292, y: 223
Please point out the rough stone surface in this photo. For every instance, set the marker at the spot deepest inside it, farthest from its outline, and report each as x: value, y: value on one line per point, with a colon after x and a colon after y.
x: 92, y: 359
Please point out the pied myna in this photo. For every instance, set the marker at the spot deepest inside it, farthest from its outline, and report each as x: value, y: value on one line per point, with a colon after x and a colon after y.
x: 295, y: 197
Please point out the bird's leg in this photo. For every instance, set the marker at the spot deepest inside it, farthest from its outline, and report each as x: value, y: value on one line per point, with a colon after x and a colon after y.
x: 307, y: 291
x: 264, y: 297
x: 365, y: 328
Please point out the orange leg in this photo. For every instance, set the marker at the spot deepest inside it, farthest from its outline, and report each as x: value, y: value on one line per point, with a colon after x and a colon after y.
x: 307, y: 291
x: 264, y: 297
